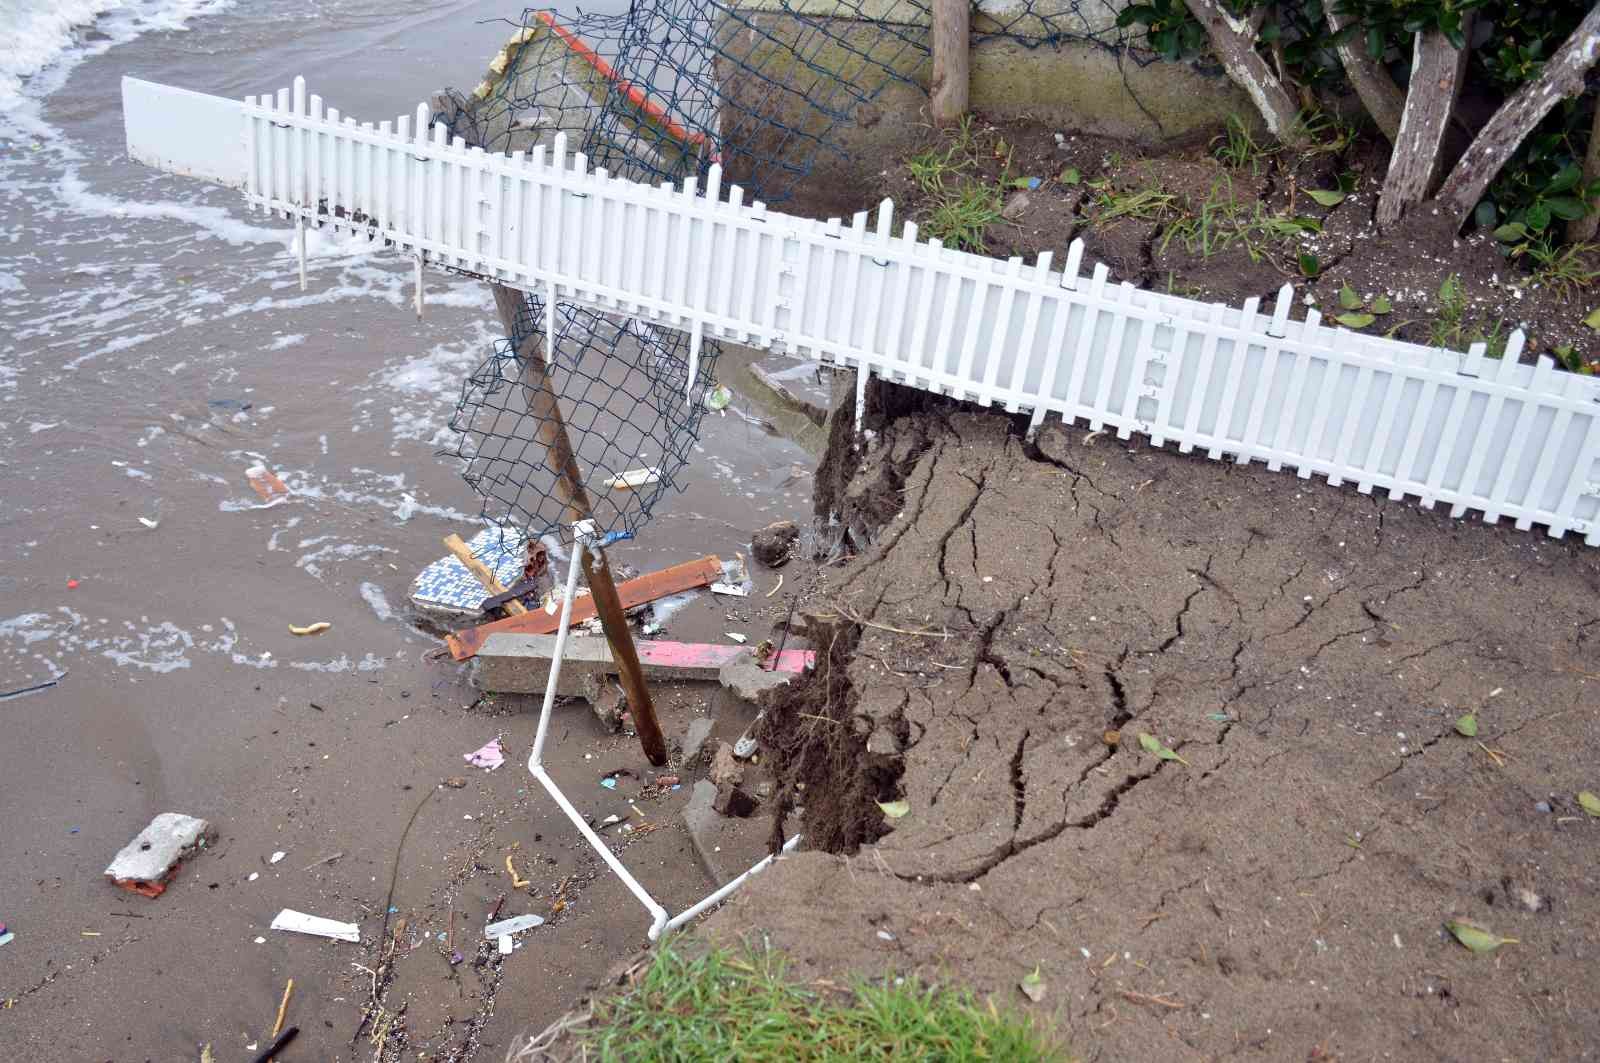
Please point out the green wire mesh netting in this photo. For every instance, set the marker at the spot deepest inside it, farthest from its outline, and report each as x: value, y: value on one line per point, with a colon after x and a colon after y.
x: 660, y: 93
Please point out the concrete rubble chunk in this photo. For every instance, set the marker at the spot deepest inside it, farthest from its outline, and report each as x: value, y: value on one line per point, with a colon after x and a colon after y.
x: 147, y: 863
x: 748, y: 679
x: 700, y: 819
x: 694, y: 739
x: 607, y: 701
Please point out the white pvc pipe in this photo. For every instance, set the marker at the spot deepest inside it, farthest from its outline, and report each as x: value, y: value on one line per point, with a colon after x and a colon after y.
x: 658, y: 914
x: 583, y: 531
x: 722, y: 894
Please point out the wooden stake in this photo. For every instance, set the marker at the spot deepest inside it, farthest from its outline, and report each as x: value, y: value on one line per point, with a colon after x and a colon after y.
x: 949, y: 90
x: 541, y: 403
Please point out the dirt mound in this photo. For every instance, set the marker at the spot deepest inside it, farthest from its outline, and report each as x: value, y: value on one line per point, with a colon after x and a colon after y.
x: 1025, y: 616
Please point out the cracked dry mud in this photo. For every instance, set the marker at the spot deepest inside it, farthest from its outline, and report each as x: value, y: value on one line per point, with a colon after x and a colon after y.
x: 1306, y: 651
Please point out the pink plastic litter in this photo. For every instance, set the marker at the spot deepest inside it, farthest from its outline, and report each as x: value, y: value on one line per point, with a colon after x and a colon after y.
x: 490, y: 757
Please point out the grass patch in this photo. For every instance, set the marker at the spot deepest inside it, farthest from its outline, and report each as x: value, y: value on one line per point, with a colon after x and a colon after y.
x: 963, y: 216
x: 1151, y: 201
x: 728, y: 1006
x: 1566, y: 270
x: 964, y: 203
x: 1223, y: 222
x: 1238, y: 147
x: 1451, y: 329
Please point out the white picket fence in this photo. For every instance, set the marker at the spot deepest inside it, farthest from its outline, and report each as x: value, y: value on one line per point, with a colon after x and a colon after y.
x: 1474, y: 433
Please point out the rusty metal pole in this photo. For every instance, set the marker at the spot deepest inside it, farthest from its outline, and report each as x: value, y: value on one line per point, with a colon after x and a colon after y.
x: 541, y: 402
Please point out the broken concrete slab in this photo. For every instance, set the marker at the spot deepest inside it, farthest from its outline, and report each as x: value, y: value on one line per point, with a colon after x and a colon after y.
x: 811, y: 401
x: 701, y: 820
x: 518, y: 663
x: 147, y: 863
x: 694, y: 739
x: 749, y: 679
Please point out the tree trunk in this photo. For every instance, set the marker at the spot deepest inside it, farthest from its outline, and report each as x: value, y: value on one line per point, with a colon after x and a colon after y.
x: 1234, y: 42
x: 1379, y: 94
x: 948, y: 93
x: 1585, y: 227
x: 1430, y: 101
x: 1562, y: 76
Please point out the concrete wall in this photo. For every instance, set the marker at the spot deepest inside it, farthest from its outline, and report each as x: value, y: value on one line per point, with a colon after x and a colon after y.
x: 1077, y: 85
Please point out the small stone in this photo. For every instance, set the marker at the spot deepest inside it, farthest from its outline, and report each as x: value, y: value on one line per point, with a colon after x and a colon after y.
x: 1016, y: 205
x: 748, y: 679
x: 455, y: 782
x: 694, y: 739
x: 1542, y: 806
x: 725, y: 767
x: 733, y: 801
x: 773, y: 544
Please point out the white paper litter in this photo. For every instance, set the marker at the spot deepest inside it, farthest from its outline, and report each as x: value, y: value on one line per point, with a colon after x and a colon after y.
x: 515, y: 925
x: 506, y: 944
x: 301, y: 923
x: 276, y: 857
x: 735, y: 636
x: 729, y: 588
x: 634, y: 478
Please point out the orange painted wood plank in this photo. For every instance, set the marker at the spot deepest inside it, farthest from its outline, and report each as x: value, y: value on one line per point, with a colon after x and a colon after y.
x: 635, y: 592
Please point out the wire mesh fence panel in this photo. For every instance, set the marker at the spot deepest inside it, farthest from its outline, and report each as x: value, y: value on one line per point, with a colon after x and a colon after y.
x: 661, y: 93
x: 625, y: 406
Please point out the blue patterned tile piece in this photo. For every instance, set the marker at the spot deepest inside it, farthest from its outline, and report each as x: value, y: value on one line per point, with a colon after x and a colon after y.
x: 446, y: 584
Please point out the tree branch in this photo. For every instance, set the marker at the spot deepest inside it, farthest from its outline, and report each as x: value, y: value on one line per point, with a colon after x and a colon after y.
x: 1562, y: 77
x: 1382, y: 98
x: 1430, y: 101
x: 1234, y: 41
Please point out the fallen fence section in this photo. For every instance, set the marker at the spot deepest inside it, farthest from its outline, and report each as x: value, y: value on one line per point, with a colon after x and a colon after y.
x: 1462, y: 429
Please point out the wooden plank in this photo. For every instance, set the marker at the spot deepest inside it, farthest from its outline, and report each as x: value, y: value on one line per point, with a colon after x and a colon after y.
x: 635, y: 592
x: 490, y: 581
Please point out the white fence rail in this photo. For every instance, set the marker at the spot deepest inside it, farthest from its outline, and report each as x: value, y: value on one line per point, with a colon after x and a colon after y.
x: 1492, y: 435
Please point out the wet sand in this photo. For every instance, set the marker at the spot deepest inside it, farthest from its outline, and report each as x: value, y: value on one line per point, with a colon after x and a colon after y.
x: 155, y: 344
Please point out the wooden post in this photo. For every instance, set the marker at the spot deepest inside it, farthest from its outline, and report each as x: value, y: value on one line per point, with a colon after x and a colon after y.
x: 948, y: 93
x: 541, y: 402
